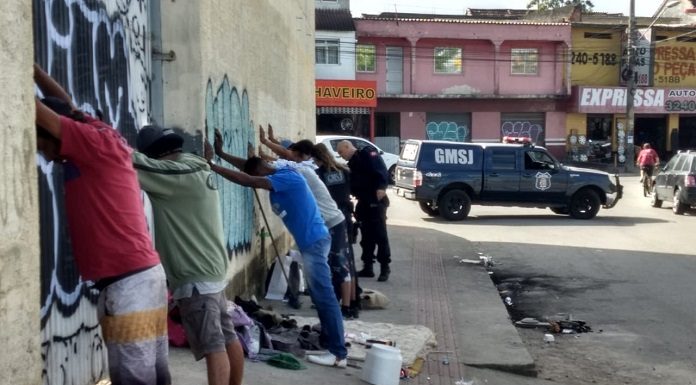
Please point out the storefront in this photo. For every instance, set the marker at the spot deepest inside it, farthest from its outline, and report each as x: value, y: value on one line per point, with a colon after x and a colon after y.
x: 664, y: 117
x: 346, y: 107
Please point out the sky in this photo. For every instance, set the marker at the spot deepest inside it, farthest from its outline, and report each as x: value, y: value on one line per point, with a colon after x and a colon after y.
x: 358, y: 7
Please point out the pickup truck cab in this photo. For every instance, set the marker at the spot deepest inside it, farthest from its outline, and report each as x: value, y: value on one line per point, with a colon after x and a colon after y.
x: 446, y: 178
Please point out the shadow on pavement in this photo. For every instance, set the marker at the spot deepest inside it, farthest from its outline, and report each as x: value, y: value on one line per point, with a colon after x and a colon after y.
x: 546, y: 220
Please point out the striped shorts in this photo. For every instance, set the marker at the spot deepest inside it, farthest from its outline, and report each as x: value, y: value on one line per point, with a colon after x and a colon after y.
x: 133, y: 316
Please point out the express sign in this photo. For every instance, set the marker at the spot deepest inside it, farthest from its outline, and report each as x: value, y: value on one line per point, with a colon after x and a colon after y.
x: 645, y: 100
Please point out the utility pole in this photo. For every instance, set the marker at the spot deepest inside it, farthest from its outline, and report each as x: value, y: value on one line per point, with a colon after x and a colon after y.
x: 629, y: 139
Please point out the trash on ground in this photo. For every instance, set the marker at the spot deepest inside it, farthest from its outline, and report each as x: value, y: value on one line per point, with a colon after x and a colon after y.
x: 508, y: 301
x: 464, y: 382
x: 470, y: 261
x: 559, y: 323
x: 548, y: 338
x: 531, y: 323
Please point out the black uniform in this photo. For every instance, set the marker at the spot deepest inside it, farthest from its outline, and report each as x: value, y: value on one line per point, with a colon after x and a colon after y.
x: 367, y: 175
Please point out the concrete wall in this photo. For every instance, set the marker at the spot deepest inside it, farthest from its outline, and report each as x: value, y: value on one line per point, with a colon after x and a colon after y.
x: 241, y: 64
x: 20, y: 362
x: 345, y: 70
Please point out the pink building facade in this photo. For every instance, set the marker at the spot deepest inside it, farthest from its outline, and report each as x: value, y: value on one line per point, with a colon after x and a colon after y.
x: 458, y: 78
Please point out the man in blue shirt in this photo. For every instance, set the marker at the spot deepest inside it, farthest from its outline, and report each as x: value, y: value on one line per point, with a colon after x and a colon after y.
x: 294, y: 203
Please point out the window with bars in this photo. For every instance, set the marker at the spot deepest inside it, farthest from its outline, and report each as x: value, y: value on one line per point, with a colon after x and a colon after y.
x: 365, y: 58
x: 524, y: 61
x: 327, y: 51
x: 448, y: 60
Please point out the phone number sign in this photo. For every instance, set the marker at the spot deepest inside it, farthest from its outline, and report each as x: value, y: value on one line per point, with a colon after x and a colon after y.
x: 612, y: 100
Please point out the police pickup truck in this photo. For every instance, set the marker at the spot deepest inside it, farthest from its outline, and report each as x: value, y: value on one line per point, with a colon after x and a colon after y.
x: 446, y: 178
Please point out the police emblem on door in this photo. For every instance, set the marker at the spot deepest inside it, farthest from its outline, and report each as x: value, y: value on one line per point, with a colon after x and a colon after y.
x: 543, y: 181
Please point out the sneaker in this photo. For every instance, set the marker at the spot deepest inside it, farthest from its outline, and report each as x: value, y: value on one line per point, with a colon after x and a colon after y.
x: 328, y: 359
x: 347, y: 312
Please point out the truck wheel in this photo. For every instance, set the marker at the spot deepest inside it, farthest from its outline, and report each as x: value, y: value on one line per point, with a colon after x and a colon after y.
x: 654, y: 200
x: 454, y: 205
x: 560, y: 210
x: 678, y: 207
x: 427, y: 208
x: 392, y: 174
x: 584, y: 204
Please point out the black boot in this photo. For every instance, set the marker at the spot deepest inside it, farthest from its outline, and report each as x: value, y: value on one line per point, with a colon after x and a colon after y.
x: 367, y: 271
x: 384, y: 273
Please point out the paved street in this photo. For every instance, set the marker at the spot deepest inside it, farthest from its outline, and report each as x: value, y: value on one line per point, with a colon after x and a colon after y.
x: 628, y: 273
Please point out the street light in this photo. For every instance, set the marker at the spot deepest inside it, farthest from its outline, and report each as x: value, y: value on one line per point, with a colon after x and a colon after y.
x: 631, y: 84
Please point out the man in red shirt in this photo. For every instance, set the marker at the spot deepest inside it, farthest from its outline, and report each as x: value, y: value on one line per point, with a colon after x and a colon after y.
x: 111, y: 244
x: 647, y: 160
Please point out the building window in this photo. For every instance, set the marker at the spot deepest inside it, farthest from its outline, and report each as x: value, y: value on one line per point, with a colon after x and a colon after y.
x: 597, y: 35
x: 524, y: 61
x: 326, y: 51
x: 448, y: 60
x: 365, y: 58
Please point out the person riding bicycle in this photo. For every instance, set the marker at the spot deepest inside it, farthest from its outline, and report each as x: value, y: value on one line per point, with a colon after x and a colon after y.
x: 647, y: 160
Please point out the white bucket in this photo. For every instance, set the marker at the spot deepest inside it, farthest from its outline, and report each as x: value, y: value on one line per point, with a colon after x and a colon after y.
x: 382, y: 365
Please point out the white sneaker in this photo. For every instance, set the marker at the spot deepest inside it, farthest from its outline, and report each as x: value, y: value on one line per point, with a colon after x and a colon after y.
x: 328, y: 359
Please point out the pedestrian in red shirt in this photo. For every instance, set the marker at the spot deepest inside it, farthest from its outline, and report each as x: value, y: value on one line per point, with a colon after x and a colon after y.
x: 647, y: 160
x: 111, y: 243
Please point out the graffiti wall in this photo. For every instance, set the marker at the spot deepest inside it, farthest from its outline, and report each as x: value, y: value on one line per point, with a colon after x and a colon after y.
x: 523, y: 126
x: 97, y: 50
x: 227, y: 109
x: 451, y: 127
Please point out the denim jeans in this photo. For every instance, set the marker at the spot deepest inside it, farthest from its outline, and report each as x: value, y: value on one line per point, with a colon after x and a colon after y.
x: 318, y: 276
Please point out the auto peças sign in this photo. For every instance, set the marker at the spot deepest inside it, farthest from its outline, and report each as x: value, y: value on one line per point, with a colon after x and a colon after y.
x: 608, y: 100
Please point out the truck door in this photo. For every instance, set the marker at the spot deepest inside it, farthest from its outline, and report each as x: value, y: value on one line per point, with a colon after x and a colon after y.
x: 501, y: 175
x: 541, y: 179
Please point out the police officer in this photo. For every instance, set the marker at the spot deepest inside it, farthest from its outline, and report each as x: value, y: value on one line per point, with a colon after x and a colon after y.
x: 368, y: 183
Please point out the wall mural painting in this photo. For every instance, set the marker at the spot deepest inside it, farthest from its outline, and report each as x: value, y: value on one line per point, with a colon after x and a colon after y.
x: 523, y: 129
x: 97, y: 50
x: 451, y: 131
x: 228, y: 111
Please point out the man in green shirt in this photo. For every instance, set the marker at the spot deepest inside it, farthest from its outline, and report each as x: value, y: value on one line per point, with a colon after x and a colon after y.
x: 189, y: 238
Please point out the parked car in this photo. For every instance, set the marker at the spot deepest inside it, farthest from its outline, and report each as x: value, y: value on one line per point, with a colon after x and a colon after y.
x: 446, y: 178
x: 676, y: 182
x: 331, y: 141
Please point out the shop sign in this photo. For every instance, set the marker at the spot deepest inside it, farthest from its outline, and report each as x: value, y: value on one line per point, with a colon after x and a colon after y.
x: 598, y: 100
x: 346, y: 93
x: 641, y: 59
x: 674, y: 65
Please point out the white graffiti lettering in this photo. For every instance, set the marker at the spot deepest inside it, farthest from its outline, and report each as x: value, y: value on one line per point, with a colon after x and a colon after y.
x: 97, y: 50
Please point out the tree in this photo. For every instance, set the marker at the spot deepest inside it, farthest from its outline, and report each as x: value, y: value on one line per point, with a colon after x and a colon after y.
x: 545, y: 5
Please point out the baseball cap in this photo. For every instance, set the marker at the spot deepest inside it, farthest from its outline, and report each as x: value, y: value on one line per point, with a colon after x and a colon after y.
x: 156, y: 142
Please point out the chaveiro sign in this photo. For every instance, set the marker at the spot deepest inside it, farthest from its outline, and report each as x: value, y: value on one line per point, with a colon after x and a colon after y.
x: 608, y: 100
x: 346, y: 93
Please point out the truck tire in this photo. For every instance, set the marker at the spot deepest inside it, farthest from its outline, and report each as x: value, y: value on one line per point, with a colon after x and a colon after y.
x: 427, y: 208
x: 654, y: 200
x: 560, y: 210
x: 678, y: 207
x: 454, y: 205
x: 584, y: 204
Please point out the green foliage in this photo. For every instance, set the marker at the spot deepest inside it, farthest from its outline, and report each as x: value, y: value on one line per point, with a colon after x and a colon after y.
x: 545, y: 5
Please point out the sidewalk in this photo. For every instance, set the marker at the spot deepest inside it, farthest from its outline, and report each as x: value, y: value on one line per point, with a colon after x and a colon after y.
x: 429, y: 287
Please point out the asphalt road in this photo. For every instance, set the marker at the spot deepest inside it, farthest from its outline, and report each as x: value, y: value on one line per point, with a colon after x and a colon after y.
x: 628, y: 273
